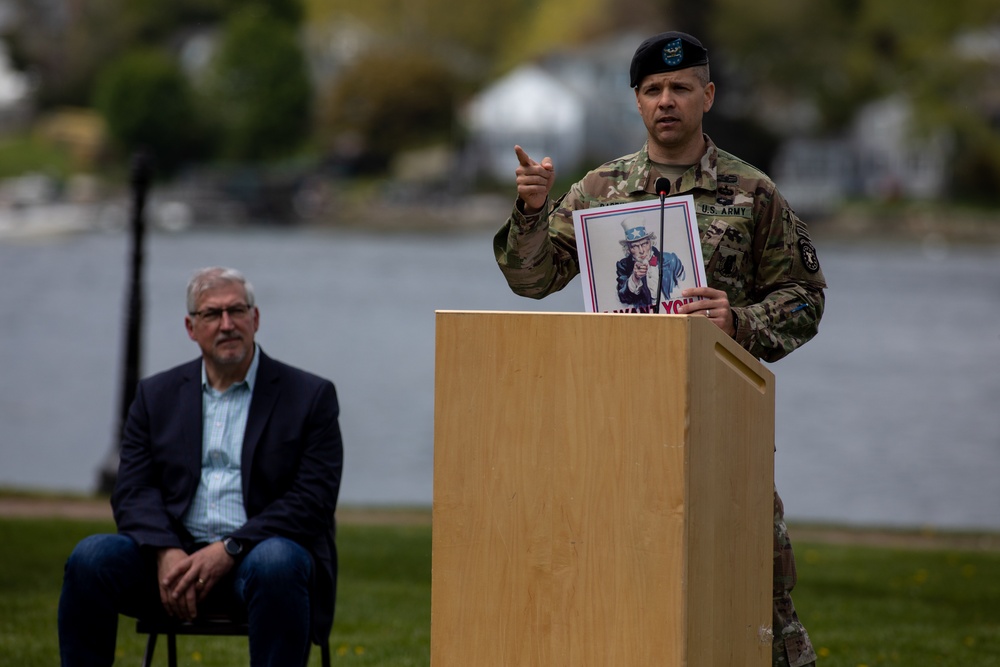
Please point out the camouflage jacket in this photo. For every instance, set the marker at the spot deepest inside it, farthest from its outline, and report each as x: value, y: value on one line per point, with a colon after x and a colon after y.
x: 755, y: 248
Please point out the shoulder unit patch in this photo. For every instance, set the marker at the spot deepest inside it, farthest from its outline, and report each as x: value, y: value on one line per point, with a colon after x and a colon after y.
x: 808, y: 253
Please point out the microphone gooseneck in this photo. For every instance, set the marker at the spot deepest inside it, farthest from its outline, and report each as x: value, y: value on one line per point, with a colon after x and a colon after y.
x: 662, y: 187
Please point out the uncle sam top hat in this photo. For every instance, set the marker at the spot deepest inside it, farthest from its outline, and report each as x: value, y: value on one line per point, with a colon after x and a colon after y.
x: 635, y: 230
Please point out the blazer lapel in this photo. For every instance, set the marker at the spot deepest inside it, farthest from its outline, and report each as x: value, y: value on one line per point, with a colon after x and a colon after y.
x: 191, y: 411
x: 265, y: 394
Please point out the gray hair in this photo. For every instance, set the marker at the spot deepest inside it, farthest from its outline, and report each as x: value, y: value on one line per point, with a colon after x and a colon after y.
x: 212, y: 277
x: 703, y: 73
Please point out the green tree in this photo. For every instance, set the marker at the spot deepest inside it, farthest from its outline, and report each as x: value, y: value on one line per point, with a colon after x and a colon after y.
x: 470, y: 33
x: 394, y: 100
x: 147, y: 104
x: 258, y: 90
x: 291, y: 12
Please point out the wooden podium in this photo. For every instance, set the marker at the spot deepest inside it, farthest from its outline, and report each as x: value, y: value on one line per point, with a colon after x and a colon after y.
x: 603, y: 493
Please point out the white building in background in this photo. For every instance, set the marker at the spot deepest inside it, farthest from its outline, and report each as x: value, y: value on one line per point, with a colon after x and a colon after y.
x: 574, y: 106
x: 14, y: 85
x: 531, y: 108
x: 881, y: 157
x: 884, y: 155
x: 813, y: 175
x: 577, y: 107
x: 893, y: 160
x: 15, y: 93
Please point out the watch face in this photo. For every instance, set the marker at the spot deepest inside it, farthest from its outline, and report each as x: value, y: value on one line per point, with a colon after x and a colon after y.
x: 233, y: 547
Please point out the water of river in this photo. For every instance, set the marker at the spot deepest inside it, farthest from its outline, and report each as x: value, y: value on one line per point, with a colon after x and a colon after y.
x: 891, y: 416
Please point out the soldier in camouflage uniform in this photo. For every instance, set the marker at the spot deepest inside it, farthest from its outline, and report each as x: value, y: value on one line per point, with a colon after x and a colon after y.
x: 765, y: 283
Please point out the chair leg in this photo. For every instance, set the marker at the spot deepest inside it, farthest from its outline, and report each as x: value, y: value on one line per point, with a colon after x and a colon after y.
x: 147, y: 657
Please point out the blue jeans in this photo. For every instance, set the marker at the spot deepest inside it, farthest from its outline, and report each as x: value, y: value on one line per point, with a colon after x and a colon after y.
x: 108, y: 575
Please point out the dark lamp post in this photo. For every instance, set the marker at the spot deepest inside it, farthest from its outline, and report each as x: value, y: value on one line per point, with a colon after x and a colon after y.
x: 142, y: 171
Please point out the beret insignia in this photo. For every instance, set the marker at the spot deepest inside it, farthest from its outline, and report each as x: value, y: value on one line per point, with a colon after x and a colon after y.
x: 666, y: 52
x: 673, y: 52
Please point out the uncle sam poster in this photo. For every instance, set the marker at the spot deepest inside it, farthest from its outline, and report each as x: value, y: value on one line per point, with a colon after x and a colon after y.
x: 627, y: 262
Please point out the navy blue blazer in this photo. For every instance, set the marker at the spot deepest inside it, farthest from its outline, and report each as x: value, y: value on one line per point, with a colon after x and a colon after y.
x: 293, y: 457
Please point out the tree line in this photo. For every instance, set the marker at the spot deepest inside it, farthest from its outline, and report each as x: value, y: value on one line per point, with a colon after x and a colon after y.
x: 415, y: 61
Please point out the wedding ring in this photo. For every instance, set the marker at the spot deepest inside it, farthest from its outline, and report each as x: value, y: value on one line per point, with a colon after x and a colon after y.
x: 201, y: 582
x: 708, y: 313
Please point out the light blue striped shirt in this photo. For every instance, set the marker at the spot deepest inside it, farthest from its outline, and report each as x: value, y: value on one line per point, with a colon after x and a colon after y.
x: 217, y: 508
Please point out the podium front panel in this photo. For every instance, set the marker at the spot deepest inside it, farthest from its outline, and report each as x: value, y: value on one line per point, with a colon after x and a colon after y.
x: 562, y: 491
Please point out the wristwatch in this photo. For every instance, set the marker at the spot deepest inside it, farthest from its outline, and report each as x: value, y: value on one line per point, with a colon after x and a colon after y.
x: 233, y: 546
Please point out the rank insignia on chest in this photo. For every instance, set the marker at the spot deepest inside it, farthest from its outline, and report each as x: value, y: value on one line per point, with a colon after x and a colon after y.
x: 728, y: 267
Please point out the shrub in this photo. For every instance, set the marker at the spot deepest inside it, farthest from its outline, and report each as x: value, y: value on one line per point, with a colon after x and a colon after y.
x: 258, y: 89
x: 147, y: 103
x: 394, y: 101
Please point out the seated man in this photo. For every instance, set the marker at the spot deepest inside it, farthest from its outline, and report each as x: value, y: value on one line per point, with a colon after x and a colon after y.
x: 227, y: 485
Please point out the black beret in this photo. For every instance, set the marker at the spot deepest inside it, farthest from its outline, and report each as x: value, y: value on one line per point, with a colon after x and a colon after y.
x: 666, y: 52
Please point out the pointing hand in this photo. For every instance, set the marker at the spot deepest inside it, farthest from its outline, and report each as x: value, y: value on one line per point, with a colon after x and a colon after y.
x: 534, y: 180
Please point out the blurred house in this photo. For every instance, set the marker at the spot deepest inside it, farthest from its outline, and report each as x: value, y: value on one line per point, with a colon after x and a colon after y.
x: 893, y: 159
x: 15, y: 93
x: 574, y: 106
x: 814, y: 175
x: 530, y: 107
x: 577, y: 107
x: 882, y: 157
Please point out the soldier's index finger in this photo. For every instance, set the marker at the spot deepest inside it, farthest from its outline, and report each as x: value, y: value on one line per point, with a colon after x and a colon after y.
x: 522, y: 157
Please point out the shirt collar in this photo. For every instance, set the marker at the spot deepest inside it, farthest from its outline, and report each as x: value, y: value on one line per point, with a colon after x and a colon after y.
x: 249, y: 380
x: 703, y: 175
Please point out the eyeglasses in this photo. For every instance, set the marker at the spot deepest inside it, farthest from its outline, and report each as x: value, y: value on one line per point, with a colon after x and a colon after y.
x: 236, y: 312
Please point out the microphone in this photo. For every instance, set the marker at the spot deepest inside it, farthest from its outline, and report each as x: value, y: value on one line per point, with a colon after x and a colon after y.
x: 662, y: 187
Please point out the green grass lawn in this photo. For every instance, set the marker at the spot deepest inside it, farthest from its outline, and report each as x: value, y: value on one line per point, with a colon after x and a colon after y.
x: 863, y: 605
x: 868, y: 606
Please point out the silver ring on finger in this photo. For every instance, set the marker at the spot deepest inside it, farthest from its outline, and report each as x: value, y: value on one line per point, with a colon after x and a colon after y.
x: 708, y: 313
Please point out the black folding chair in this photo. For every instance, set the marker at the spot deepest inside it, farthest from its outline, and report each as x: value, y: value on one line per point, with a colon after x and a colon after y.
x: 210, y: 624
